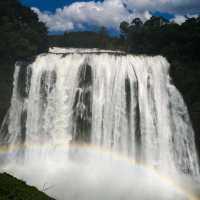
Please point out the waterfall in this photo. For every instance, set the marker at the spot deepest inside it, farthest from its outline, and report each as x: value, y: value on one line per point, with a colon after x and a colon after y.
x: 123, y: 103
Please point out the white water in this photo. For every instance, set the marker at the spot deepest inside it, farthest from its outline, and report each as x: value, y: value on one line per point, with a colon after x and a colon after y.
x: 121, y: 103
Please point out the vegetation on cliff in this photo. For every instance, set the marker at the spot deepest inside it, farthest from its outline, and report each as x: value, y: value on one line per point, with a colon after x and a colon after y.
x: 22, y: 35
x: 13, y: 189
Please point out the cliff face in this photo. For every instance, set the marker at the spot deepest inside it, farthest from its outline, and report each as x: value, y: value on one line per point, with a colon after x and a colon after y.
x: 12, y: 188
x: 6, y: 84
x: 186, y: 77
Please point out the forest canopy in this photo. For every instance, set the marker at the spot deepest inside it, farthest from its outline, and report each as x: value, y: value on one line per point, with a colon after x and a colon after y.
x: 21, y: 33
x: 160, y: 36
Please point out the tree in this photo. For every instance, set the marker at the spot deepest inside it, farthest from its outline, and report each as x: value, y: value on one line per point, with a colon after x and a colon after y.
x: 156, y: 22
x: 21, y: 32
x: 137, y: 22
x: 103, y: 31
x: 124, y: 27
x: 21, y: 36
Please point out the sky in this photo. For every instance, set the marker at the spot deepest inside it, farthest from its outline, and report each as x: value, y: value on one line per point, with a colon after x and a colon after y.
x: 71, y: 15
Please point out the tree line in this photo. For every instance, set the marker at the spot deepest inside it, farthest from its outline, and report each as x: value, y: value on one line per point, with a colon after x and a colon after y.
x: 87, y: 39
x: 160, y: 36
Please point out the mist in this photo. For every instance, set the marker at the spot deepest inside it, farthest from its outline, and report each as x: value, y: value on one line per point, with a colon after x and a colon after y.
x: 89, y: 173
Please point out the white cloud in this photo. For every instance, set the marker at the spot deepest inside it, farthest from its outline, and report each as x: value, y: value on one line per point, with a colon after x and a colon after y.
x: 110, y: 13
x: 54, y: 22
x: 180, y: 6
x: 180, y: 19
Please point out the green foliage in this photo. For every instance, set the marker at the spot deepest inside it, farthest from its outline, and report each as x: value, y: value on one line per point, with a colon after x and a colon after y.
x: 86, y: 39
x: 158, y: 36
x: 124, y: 26
x: 13, y: 189
x: 22, y: 35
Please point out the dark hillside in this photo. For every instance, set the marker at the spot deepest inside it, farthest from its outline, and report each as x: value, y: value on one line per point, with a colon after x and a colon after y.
x: 14, y: 189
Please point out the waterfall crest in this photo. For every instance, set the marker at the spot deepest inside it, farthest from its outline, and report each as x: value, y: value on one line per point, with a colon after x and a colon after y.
x: 123, y: 103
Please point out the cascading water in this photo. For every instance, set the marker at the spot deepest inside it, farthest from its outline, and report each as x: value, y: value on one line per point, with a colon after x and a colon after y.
x: 122, y: 103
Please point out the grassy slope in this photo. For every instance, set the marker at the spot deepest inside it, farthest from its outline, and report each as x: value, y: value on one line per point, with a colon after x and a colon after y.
x: 14, y: 189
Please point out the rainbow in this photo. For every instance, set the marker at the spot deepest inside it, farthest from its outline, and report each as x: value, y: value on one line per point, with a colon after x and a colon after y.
x: 5, y: 150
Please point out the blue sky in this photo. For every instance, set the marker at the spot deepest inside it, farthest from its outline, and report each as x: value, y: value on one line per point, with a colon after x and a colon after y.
x: 48, y: 5
x: 68, y: 15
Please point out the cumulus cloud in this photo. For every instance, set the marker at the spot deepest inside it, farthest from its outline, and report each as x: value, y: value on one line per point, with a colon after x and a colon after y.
x: 180, y: 19
x: 110, y: 13
x: 180, y: 6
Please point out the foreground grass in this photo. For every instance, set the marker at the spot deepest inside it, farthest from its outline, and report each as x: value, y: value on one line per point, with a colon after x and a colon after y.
x: 14, y: 189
